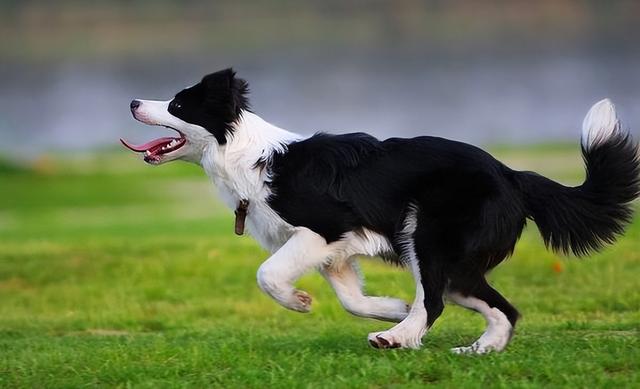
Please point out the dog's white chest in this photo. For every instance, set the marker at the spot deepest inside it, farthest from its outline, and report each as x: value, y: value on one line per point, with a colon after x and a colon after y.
x: 232, y: 167
x: 262, y: 222
x: 238, y: 181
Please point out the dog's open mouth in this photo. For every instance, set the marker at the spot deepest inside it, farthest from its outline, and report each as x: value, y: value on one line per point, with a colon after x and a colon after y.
x: 153, y: 150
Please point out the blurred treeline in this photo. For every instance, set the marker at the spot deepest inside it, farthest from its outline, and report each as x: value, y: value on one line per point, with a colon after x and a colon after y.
x: 39, y: 30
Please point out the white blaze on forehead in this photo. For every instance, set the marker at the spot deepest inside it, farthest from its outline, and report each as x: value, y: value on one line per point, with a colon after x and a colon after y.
x: 600, y: 123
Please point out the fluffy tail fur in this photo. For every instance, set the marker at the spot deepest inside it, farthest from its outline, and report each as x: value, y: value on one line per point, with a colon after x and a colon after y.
x: 582, y: 219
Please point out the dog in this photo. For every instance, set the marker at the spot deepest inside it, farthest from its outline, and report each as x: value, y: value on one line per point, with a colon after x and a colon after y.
x: 447, y: 211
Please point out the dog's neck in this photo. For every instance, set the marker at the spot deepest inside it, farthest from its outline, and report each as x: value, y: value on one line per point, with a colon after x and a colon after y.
x: 235, y: 167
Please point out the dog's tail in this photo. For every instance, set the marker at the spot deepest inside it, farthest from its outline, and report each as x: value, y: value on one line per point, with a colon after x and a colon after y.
x: 584, y: 218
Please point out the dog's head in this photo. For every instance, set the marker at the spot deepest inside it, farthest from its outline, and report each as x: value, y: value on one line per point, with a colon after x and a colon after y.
x: 201, y: 114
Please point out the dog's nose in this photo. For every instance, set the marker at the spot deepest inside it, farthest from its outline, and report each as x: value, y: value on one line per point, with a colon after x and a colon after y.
x: 134, y: 104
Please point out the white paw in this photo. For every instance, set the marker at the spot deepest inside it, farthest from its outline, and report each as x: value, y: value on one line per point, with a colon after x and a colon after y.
x: 478, y: 348
x: 406, y: 334
x: 475, y: 348
x: 383, y: 340
x: 299, y: 301
x: 395, y: 339
x: 495, y: 338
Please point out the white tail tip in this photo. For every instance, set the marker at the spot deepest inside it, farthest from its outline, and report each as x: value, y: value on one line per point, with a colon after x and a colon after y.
x: 600, y: 123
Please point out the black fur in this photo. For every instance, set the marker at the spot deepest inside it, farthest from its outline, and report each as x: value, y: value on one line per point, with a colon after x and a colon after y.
x: 471, y: 207
x: 214, y: 103
x: 584, y: 218
x: 356, y: 181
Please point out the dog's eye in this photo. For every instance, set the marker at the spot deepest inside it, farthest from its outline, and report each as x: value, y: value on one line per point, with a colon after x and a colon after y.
x: 175, y: 105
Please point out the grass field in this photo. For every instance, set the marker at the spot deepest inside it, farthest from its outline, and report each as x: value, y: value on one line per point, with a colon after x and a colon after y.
x: 117, y: 274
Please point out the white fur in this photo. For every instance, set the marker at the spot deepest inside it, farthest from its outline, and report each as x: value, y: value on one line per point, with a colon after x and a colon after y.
x: 409, y: 332
x: 232, y: 169
x: 367, y: 242
x: 304, y: 251
x: 498, y: 332
x: 600, y: 123
x: 346, y: 280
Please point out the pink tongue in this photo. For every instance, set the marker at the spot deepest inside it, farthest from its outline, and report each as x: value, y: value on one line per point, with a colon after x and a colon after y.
x: 146, y: 146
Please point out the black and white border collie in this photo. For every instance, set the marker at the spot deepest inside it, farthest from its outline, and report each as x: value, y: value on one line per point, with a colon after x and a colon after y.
x: 447, y: 211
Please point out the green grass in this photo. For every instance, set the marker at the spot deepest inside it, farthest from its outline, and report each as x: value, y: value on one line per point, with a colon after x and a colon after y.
x: 116, y: 274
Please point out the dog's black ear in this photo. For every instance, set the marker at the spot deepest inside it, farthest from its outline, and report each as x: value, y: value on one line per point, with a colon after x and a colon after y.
x: 224, y: 87
x: 224, y: 97
x: 219, y: 80
x: 239, y: 93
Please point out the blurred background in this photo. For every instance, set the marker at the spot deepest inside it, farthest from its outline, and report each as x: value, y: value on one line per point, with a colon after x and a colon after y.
x: 489, y: 72
x: 118, y: 274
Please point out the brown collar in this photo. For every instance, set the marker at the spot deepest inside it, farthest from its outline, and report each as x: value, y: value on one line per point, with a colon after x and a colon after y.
x: 241, y: 215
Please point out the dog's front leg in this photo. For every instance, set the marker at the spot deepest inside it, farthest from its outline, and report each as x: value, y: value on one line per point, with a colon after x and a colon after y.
x: 304, y: 251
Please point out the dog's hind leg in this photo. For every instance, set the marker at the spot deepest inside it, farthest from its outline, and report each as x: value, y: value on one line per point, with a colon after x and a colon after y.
x: 500, y: 316
x: 346, y: 280
x: 429, y: 291
x: 409, y: 332
x: 303, y: 252
x: 427, y: 260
